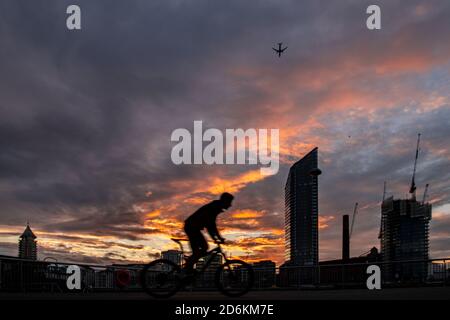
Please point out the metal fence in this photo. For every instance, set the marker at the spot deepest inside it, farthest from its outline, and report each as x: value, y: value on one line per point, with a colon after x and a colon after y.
x: 25, y: 275
x: 394, y: 274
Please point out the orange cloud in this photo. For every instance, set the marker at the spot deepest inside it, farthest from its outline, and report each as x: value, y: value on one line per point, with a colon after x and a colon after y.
x: 324, y: 220
x: 220, y: 185
x: 196, y: 200
x: 246, y: 214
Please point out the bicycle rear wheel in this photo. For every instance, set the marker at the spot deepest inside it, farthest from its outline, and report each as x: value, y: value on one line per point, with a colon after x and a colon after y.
x: 234, y: 278
x: 161, y: 278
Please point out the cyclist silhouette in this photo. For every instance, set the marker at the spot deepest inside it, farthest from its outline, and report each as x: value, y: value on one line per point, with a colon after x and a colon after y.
x: 205, y: 217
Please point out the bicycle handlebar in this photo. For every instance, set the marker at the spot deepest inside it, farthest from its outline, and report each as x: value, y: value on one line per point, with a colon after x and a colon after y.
x: 180, y: 240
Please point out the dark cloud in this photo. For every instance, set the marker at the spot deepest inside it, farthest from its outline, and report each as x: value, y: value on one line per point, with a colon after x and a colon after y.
x: 86, y: 117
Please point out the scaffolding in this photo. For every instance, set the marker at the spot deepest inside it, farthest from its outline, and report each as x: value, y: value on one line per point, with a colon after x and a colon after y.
x: 404, y: 236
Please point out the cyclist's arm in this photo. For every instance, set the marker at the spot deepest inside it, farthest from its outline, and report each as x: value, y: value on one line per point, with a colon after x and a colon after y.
x: 213, y: 232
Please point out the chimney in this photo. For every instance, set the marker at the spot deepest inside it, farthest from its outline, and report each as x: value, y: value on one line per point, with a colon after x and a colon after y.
x: 345, y: 238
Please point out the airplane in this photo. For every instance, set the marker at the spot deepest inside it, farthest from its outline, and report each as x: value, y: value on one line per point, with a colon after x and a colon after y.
x: 279, y: 50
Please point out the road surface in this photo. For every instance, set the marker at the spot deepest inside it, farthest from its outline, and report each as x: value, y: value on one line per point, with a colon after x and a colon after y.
x: 428, y: 293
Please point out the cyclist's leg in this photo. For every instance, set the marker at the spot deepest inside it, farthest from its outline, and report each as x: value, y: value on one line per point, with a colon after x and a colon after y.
x: 194, y: 248
x: 203, y: 245
x: 199, y: 247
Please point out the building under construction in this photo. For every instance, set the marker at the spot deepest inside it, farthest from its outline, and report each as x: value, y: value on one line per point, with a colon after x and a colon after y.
x: 404, y: 235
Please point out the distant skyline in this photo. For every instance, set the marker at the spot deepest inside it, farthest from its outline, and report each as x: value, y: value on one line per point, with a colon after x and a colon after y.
x: 86, y: 118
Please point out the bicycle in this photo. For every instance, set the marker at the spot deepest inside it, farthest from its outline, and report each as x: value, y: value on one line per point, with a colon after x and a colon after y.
x: 163, y: 278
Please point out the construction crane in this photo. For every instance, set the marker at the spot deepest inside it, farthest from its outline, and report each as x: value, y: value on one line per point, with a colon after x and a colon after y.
x: 425, y: 193
x: 412, y: 189
x: 381, y: 220
x: 355, y: 211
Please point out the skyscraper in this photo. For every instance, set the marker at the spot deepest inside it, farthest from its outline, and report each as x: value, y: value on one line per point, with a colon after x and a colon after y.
x: 404, y: 237
x: 301, y: 211
x: 28, y: 245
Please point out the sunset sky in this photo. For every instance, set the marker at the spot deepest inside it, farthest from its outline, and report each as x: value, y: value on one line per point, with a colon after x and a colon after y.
x: 86, y: 118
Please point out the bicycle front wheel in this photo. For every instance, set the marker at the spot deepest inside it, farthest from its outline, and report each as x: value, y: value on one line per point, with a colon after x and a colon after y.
x: 161, y: 278
x: 234, y: 278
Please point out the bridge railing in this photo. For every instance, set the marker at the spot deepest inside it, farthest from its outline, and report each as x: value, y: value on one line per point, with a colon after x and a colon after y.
x: 25, y: 275
x: 342, y: 275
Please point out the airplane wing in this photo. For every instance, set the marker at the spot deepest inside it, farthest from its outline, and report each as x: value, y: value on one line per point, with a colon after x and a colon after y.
x: 282, y: 50
x: 276, y: 50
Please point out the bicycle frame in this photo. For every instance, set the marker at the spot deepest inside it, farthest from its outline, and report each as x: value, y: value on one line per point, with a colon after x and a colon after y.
x: 209, y: 255
x: 225, y: 278
x: 217, y: 251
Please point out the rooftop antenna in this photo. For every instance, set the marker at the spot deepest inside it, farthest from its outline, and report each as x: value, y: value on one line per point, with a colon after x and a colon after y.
x: 381, y: 220
x: 412, y: 189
